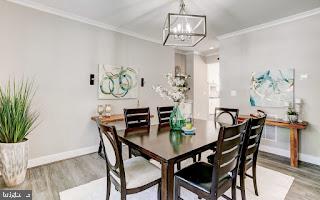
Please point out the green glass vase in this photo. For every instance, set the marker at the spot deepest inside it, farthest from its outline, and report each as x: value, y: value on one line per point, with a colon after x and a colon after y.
x: 177, y: 120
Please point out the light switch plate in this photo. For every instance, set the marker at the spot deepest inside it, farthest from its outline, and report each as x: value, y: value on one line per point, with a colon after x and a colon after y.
x: 304, y: 76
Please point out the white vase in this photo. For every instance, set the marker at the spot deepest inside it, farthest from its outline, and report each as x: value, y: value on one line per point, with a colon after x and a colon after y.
x: 14, y: 162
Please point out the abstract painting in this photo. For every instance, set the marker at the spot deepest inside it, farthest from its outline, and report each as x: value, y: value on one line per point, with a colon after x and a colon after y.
x: 272, y: 88
x: 117, y: 82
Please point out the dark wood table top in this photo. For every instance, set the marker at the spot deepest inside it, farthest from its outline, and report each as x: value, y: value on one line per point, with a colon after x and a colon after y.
x: 163, y: 145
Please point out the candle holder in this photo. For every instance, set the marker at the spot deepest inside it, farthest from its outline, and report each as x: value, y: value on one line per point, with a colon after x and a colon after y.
x: 100, y: 110
x: 108, y: 110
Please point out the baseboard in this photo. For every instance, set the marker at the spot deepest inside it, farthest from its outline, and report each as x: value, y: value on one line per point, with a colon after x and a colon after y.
x: 61, y: 156
x: 286, y: 153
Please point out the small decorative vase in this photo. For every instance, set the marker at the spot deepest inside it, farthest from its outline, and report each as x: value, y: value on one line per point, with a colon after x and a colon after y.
x: 293, y: 118
x: 177, y: 120
x: 14, y: 162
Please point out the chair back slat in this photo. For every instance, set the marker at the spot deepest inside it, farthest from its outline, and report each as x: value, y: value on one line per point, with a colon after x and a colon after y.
x: 164, y: 114
x: 137, y: 110
x: 229, y: 155
x: 226, y: 115
x: 112, y: 150
x: 230, y: 144
x: 252, y: 139
x: 228, y: 151
x: 228, y: 167
x: 137, y: 117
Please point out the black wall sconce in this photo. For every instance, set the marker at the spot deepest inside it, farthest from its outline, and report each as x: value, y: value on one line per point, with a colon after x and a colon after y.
x: 142, y: 82
x: 91, y: 79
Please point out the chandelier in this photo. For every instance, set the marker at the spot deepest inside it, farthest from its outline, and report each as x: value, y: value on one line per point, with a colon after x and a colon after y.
x: 183, y: 29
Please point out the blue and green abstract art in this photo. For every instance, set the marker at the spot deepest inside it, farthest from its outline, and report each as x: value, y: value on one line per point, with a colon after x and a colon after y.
x: 117, y: 82
x: 272, y: 88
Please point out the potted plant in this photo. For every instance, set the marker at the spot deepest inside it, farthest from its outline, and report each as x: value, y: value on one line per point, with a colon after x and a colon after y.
x: 176, y: 93
x: 16, y: 122
x: 292, y: 114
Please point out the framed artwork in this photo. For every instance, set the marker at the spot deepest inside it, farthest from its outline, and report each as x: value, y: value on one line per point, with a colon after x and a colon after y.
x: 272, y: 88
x: 117, y: 82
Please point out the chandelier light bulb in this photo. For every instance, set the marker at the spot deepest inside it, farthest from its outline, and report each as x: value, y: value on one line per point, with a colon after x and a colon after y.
x: 188, y: 28
x: 179, y: 28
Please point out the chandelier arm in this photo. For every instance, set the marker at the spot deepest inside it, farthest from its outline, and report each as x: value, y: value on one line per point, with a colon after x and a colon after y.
x: 182, y: 7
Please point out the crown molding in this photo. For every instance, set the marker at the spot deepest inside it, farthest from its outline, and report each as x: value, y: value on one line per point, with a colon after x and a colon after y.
x: 271, y: 24
x: 74, y: 17
x: 213, y: 54
x: 179, y: 51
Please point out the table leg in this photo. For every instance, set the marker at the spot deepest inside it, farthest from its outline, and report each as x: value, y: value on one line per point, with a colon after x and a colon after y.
x: 167, y: 181
x: 294, y: 147
x: 100, y: 150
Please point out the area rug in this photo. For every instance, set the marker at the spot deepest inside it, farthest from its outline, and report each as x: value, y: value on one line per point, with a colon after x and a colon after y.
x: 272, y: 185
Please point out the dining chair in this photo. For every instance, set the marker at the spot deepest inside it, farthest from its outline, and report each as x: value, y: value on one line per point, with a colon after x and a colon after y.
x: 249, y: 153
x: 128, y: 176
x: 224, y: 117
x: 136, y: 118
x: 210, y: 181
x: 164, y: 114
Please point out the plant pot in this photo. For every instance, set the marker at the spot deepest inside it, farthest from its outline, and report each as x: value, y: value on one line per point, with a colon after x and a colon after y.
x: 14, y: 162
x: 293, y: 118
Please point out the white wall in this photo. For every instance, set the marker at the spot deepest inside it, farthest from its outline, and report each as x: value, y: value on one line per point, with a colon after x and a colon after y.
x: 212, y: 59
x: 59, y: 54
x: 200, y: 84
x: 291, y: 45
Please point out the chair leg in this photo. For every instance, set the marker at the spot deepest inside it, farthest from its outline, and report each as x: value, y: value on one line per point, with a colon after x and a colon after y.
x: 242, y: 185
x: 159, y: 191
x: 100, y: 150
x: 179, y: 165
x: 130, y: 152
x: 194, y: 158
x: 177, y: 189
x: 123, y: 195
x: 254, y: 174
x: 199, y: 157
x: 108, y: 188
x: 234, y: 188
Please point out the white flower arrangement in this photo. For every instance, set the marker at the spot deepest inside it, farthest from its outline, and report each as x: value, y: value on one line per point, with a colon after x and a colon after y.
x: 178, y: 90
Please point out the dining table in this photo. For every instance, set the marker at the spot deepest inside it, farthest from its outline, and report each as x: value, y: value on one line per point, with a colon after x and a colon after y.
x: 168, y: 147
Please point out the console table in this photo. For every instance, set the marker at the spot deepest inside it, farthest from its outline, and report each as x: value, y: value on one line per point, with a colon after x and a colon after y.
x: 294, y: 135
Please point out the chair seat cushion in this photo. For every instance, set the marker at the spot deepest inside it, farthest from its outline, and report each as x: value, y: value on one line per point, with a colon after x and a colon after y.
x: 199, y: 175
x: 139, y: 172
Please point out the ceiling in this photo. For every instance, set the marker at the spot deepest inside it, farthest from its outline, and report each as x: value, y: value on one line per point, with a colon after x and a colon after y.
x: 146, y: 17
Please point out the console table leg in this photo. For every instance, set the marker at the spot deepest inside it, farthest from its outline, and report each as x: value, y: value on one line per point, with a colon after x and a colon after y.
x: 294, y: 147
